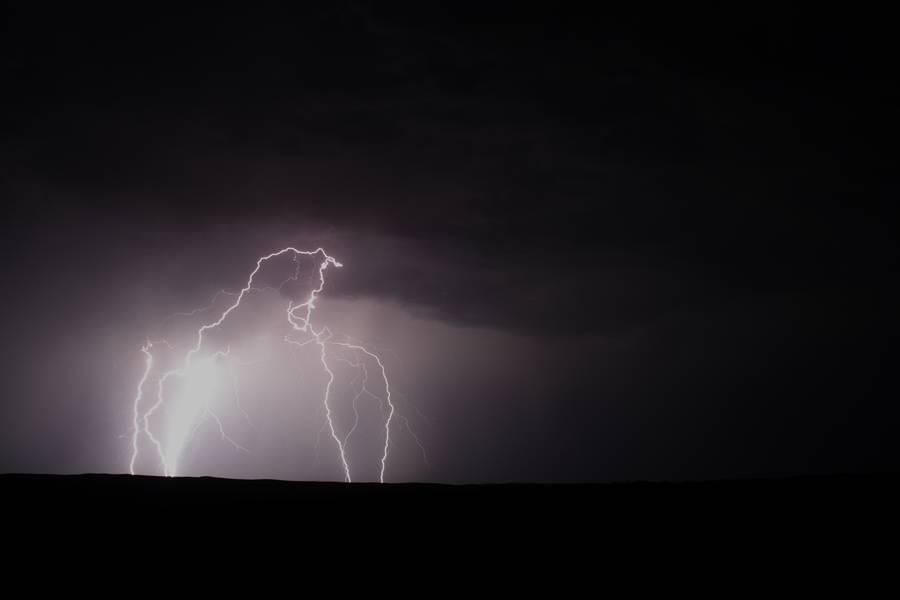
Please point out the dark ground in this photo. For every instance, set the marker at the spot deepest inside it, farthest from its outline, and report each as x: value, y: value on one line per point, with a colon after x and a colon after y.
x: 834, y: 532
x: 854, y: 504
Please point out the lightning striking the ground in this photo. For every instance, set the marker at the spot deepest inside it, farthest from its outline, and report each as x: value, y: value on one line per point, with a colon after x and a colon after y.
x: 200, y: 371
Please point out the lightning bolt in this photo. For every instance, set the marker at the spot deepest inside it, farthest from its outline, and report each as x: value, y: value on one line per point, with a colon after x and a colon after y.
x: 299, y: 315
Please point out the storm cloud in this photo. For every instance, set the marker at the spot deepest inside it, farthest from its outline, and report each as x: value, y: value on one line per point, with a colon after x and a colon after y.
x: 607, y: 246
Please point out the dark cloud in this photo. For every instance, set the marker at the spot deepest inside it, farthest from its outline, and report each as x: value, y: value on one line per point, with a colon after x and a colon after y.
x: 697, y: 205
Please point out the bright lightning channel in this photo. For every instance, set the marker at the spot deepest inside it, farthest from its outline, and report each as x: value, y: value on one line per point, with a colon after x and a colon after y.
x: 200, y: 373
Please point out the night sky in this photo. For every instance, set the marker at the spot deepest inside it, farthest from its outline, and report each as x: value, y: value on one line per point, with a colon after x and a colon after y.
x: 599, y: 246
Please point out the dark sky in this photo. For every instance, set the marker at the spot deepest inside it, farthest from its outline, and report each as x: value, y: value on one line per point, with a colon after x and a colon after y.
x: 603, y: 245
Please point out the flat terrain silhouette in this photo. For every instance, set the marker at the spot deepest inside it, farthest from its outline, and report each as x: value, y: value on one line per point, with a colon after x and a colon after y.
x: 740, y: 530
x: 798, y: 502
